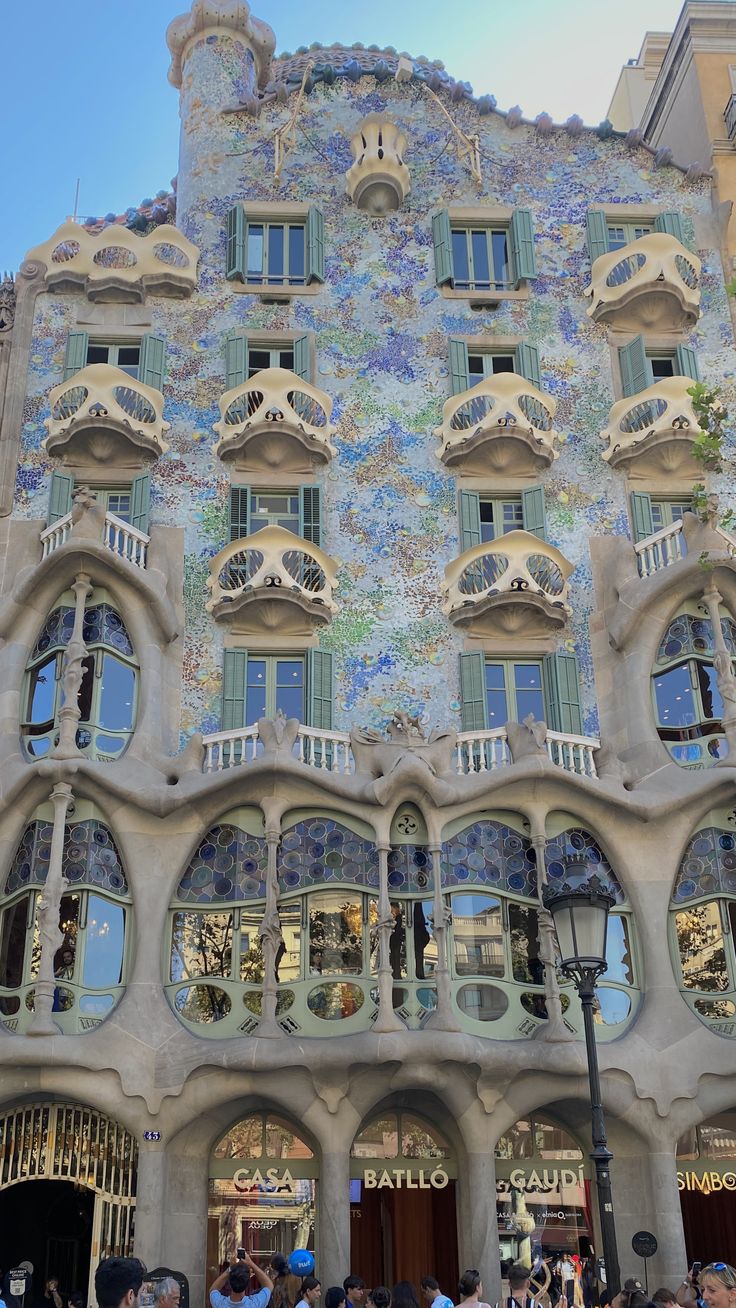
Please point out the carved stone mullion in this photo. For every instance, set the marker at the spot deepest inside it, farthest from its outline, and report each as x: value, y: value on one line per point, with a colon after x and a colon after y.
x: 443, y: 1018
x: 73, y: 673
x: 271, y: 940
x: 722, y: 661
x: 555, y: 1028
x: 48, y: 918
x: 386, y: 1019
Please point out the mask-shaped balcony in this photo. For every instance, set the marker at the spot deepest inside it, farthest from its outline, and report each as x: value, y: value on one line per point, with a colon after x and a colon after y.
x: 652, y: 434
x: 516, y: 585
x: 102, y: 415
x: 378, y: 180
x: 272, y: 581
x: 275, y: 422
x: 650, y: 285
x: 116, y: 265
x: 502, y: 425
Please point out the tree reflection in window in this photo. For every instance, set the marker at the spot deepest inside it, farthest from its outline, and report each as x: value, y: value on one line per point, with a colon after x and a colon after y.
x: 704, y: 922
x: 702, y: 952
x: 335, y: 934
x: 399, y: 1135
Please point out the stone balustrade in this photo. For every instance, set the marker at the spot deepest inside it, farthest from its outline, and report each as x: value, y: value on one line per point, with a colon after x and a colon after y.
x: 652, y: 284
x: 118, y: 265
x: 668, y: 545
x: 99, y: 405
x: 267, y: 415
x: 652, y: 433
x: 274, y: 580
x: 517, y: 584
x: 119, y: 537
x: 504, y: 424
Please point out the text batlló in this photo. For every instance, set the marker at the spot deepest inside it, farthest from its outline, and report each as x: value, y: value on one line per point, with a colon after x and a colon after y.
x: 401, y: 1178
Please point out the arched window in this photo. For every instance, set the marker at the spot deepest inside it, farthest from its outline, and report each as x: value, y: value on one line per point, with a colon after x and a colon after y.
x: 704, y: 922
x: 489, y: 870
x: 687, y: 703
x: 543, y: 1182
x: 538, y: 1137
x: 107, y: 696
x: 93, y: 916
x: 399, y: 1135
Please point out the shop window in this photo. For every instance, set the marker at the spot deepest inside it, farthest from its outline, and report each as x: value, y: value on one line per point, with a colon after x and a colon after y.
x: 89, y: 963
x: 688, y: 706
x: 703, y: 920
x: 712, y: 1141
x: 538, y: 1136
x: 399, y: 1135
x: 550, y: 1218
x: 107, y: 696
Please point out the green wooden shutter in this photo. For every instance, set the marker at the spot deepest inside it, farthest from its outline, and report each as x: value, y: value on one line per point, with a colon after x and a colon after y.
x: 527, y: 362
x: 523, y: 257
x: 473, y: 692
x: 533, y: 511
x: 310, y: 527
x: 140, y: 501
x: 597, y: 226
x: 641, y: 515
x: 152, y: 367
x: 61, y: 488
x: 236, y: 359
x: 636, y: 373
x: 687, y: 363
x: 442, y: 237
x: 320, y: 692
x: 459, y: 367
x: 670, y: 222
x: 562, y: 693
x: 236, y: 255
x: 75, y: 353
x: 234, y: 672
x: 239, y: 512
x: 315, y: 243
x: 301, y: 358
x: 469, y: 513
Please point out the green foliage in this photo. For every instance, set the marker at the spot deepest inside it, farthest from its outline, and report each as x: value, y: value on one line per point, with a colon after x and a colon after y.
x: 711, y: 415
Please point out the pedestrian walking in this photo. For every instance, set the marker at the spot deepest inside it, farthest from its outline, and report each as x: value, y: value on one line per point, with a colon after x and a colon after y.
x: 432, y: 1293
x: 166, y: 1293
x: 471, y: 1289
x: 356, y: 1291
x: 718, y: 1285
x: 310, y: 1292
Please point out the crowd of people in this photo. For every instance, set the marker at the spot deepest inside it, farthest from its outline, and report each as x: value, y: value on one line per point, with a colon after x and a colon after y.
x: 119, y: 1283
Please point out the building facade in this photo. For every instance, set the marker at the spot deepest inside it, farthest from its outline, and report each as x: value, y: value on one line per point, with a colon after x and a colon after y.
x: 350, y: 594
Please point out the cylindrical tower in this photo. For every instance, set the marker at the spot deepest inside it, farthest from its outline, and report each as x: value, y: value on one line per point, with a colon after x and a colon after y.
x: 220, y: 56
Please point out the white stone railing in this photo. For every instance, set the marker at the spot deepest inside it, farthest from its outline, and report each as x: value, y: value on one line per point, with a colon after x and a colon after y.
x: 573, y: 753
x: 272, y: 561
x: 229, y: 749
x: 102, y: 395
x: 275, y: 401
x: 501, y: 408
x: 118, y: 536
x: 656, y: 263
x: 482, y: 751
x: 655, y: 552
x: 328, y: 750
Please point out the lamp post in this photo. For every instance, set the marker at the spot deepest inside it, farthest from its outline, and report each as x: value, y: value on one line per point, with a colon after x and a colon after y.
x: 580, y: 916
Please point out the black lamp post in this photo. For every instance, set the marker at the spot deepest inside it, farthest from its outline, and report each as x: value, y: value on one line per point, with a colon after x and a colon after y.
x: 580, y: 916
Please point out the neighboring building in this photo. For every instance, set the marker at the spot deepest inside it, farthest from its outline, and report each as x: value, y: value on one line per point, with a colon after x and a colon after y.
x: 635, y: 82
x: 319, y: 478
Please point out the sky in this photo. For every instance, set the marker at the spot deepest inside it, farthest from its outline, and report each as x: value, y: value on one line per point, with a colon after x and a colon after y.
x: 86, y: 95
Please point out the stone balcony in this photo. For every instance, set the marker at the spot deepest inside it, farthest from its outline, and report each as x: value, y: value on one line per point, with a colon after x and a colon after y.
x: 514, y: 586
x: 652, y: 434
x: 116, y: 265
x: 272, y: 581
x: 501, y: 425
x: 102, y: 415
x: 275, y: 422
x: 652, y: 284
x: 378, y: 180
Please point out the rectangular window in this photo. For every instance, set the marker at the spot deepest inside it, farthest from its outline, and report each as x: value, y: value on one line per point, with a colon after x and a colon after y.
x: 125, y: 356
x: 482, y: 258
x: 261, y: 357
x: 499, y: 516
x: 662, y: 365
x: 667, y: 512
x: 274, y: 682
x: 274, y: 509
x: 488, y: 363
x: 275, y: 254
x: 620, y: 234
x: 513, y: 690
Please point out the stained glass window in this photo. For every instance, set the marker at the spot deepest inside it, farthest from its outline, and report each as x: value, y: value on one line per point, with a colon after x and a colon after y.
x: 229, y: 865
x: 490, y: 854
x: 321, y: 851
x: 90, y: 858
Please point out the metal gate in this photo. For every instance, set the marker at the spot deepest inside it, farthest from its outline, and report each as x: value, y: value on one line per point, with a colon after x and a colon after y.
x: 65, y: 1142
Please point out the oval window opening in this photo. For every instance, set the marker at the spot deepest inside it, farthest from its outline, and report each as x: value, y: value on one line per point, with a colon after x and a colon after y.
x: 335, y: 1000
x: 483, y: 1003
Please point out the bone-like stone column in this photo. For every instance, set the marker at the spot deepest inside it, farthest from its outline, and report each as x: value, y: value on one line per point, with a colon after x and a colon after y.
x: 555, y: 1028
x: 443, y: 1018
x: 73, y: 674
x: 271, y: 939
x: 386, y: 1019
x: 725, y: 679
x: 48, y: 918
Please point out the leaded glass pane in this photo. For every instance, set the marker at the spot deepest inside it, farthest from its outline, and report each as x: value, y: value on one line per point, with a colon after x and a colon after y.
x: 104, y: 943
x: 90, y: 857
x: 490, y: 854
x: 574, y: 856
x: 321, y: 850
x: 229, y: 865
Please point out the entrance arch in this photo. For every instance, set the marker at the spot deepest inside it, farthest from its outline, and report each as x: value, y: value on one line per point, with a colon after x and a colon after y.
x: 403, y: 1217
x: 64, y: 1142
x: 706, y: 1177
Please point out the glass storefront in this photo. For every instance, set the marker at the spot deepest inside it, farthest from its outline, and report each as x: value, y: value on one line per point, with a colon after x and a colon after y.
x: 706, y: 1178
x: 542, y: 1192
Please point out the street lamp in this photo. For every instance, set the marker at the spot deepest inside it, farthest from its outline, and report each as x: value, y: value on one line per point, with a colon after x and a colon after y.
x: 580, y: 916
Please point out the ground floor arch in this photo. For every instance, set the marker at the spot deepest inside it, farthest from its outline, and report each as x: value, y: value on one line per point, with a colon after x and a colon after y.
x: 706, y: 1179
x: 68, y: 1179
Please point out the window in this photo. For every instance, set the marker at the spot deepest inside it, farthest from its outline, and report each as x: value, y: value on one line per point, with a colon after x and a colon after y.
x: 642, y: 364
x: 125, y: 356
x: 484, y: 517
x: 259, y: 684
x: 107, y: 697
x: 271, y: 250
x: 662, y: 365
x: 274, y: 509
x: 483, y: 255
x: 261, y: 357
x: 274, y: 683
x: 607, y: 232
x: 620, y: 234
x: 488, y: 363
x: 513, y: 690
x: 297, y: 510
x: 667, y: 511
x: 703, y: 919
x: 90, y: 960
x: 498, y: 516
x: 471, y: 361
x: 130, y: 503
x: 687, y: 703
x: 651, y: 513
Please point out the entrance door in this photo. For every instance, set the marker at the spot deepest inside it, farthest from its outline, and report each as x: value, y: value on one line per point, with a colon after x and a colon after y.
x: 403, y: 1235
x: 50, y: 1224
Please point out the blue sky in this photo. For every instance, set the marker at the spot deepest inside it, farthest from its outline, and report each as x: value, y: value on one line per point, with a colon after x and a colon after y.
x: 90, y: 98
